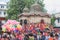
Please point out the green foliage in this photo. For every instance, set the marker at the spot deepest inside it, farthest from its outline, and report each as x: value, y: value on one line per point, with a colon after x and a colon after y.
x: 42, y: 5
x: 28, y: 3
x: 52, y: 20
x: 16, y: 7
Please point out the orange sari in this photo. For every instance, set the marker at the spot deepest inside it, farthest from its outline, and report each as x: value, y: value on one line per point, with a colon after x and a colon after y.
x: 50, y: 38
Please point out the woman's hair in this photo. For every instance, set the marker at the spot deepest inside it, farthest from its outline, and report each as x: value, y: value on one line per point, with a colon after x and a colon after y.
x: 41, y: 32
x: 56, y: 35
x: 30, y: 34
x: 51, y: 35
x: 5, y: 36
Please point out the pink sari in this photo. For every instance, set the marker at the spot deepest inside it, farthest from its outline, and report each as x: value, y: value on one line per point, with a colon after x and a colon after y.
x: 21, y: 37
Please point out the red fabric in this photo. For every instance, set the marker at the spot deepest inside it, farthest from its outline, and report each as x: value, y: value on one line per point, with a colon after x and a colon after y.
x: 20, y: 37
x: 31, y: 27
x: 42, y: 27
x: 46, y: 34
x: 56, y: 38
x: 33, y: 31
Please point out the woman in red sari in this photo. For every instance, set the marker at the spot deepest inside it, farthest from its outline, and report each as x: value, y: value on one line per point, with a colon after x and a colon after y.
x: 42, y: 25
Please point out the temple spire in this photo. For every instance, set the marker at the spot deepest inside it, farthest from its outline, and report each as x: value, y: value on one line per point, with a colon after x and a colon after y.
x: 25, y: 9
x: 35, y: 7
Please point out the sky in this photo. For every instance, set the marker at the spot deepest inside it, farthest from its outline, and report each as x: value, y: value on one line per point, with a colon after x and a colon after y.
x: 52, y: 6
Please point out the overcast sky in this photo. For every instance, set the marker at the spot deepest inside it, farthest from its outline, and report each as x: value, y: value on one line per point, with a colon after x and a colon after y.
x: 51, y: 5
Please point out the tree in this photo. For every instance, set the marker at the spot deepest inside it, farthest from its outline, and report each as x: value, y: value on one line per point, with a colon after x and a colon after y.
x: 16, y: 7
x: 53, y: 19
x: 41, y: 2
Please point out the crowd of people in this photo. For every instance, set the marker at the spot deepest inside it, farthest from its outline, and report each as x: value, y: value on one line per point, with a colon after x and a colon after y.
x: 40, y: 31
x: 47, y: 34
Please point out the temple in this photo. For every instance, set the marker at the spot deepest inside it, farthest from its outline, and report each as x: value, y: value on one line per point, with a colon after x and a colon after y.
x: 34, y: 15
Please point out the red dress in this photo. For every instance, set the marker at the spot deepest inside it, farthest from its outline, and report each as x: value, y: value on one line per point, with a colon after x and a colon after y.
x: 42, y: 27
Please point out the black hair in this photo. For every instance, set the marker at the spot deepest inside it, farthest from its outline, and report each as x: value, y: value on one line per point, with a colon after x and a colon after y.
x: 30, y: 34
x: 56, y: 35
x: 41, y: 32
x: 51, y: 35
x: 5, y: 36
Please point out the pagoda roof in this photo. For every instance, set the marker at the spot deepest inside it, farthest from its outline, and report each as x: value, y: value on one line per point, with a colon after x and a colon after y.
x: 35, y: 14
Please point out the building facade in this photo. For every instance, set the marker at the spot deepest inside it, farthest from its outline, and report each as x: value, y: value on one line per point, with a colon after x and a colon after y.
x: 3, y: 13
x: 34, y: 15
x: 57, y: 19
